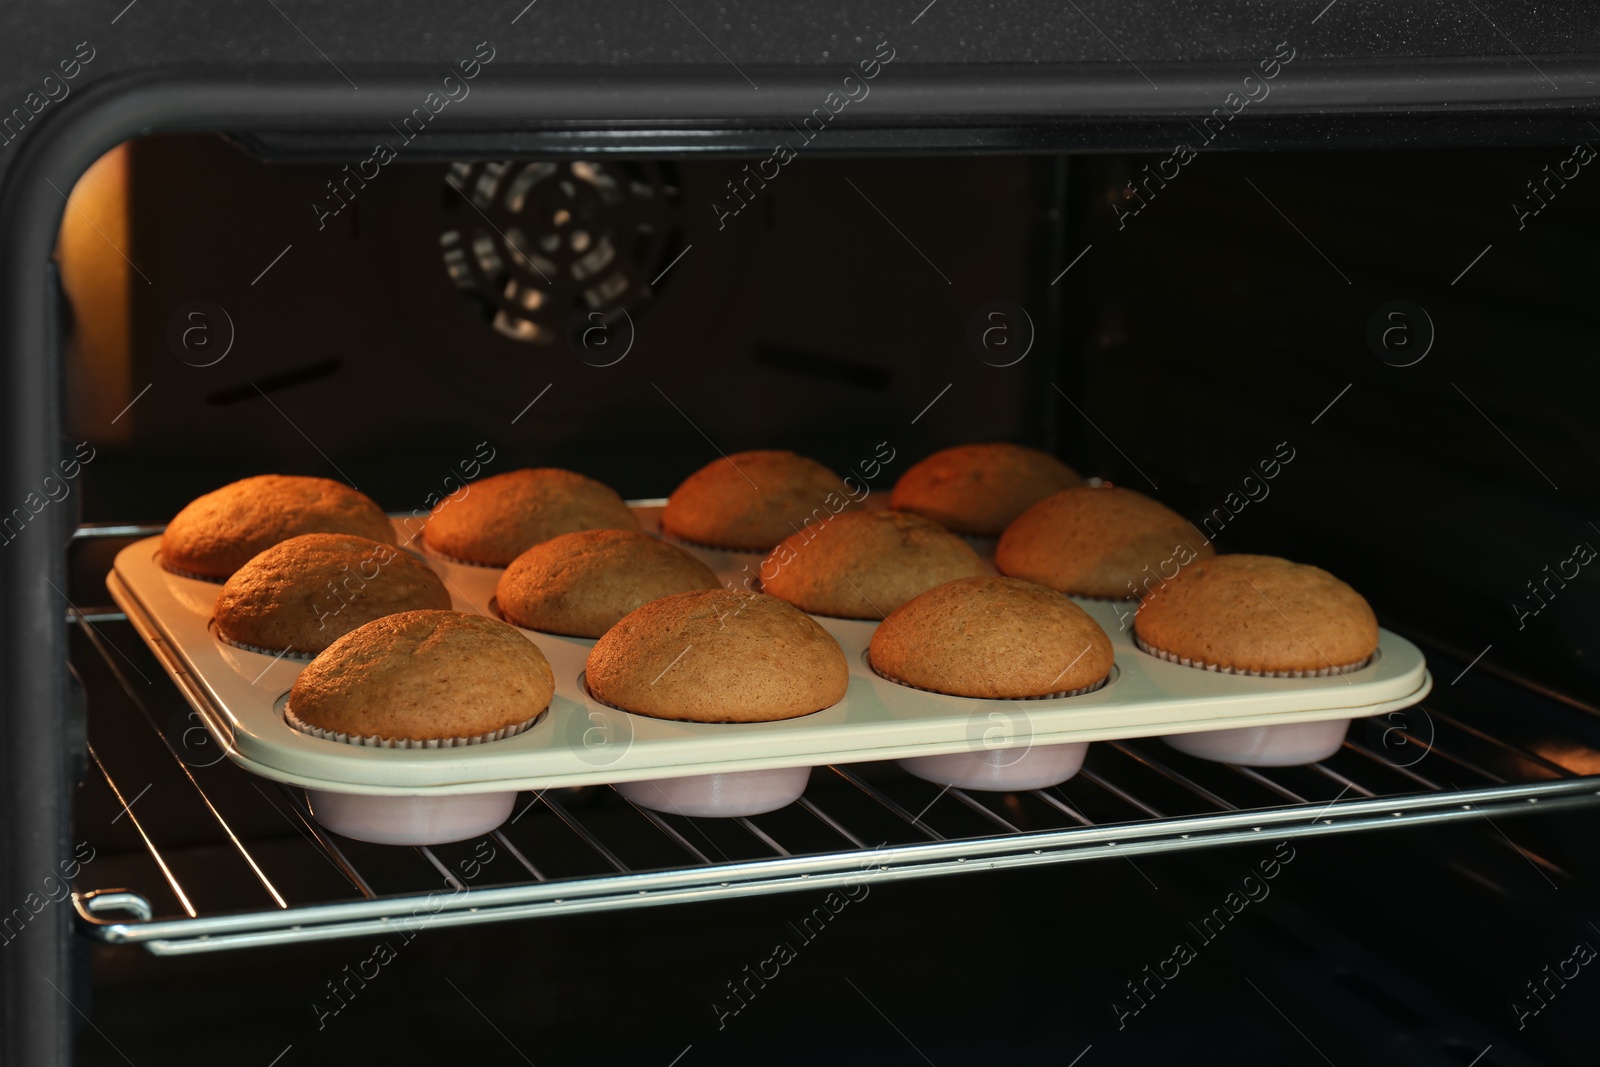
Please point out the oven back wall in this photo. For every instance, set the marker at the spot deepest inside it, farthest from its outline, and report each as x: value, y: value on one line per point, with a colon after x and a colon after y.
x: 788, y: 313
x: 1414, y: 329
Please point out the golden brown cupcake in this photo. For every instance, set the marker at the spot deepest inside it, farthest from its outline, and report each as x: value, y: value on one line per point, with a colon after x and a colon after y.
x: 1103, y: 542
x: 503, y: 516
x: 992, y: 638
x: 581, y: 584
x: 424, y: 676
x: 1258, y: 615
x: 864, y: 564
x: 220, y: 532
x: 753, y: 500
x: 305, y: 593
x: 978, y: 489
x: 718, y: 656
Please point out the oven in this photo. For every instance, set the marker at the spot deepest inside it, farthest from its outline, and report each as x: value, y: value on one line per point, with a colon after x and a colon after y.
x: 1166, y: 246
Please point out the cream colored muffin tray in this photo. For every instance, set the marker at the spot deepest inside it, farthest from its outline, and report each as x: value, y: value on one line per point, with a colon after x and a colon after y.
x: 240, y: 696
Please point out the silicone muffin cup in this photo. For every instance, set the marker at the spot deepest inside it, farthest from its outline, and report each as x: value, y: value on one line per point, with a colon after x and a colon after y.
x: 725, y: 795
x: 1284, y: 745
x: 424, y: 820
x: 1001, y: 770
x: 409, y: 820
x: 728, y: 795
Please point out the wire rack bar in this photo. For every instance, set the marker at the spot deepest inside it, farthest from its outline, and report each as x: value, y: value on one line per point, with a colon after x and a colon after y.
x: 137, y: 698
x: 672, y: 834
x: 516, y: 853
x: 830, y: 822
x: 1267, y: 783
x: 1516, y: 750
x: 584, y: 832
x: 914, y: 820
x: 1123, y: 795
x: 177, y: 937
x: 150, y: 846
x: 1171, y: 775
x: 313, y: 832
x: 983, y: 809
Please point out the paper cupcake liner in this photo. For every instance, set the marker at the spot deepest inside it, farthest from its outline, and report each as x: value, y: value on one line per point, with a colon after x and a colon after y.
x: 161, y: 560
x: 670, y: 539
x: 584, y: 685
x: 1185, y: 661
x: 374, y: 741
x: 280, y: 653
x: 1078, y: 692
x: 428, y: 550
x: 497, y: 612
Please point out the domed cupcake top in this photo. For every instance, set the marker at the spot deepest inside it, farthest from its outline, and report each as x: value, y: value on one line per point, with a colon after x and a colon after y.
x: 992, y: 638
x: 752, y: 500
x: 1103, y: 541
x: 978, y: 489
x: 500, y: 517
x: 718, y: 656
x: 581, y: 584
x: 305, y: 593
x: 220, y: 532
x: 424, y: 675
x: 864, y: 564
x: 1258, y: 614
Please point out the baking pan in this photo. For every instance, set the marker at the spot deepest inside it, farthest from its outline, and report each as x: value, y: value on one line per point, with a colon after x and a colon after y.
x: 240, y: 697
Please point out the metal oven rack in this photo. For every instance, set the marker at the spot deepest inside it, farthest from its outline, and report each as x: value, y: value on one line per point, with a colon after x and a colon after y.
x: 193, y: 855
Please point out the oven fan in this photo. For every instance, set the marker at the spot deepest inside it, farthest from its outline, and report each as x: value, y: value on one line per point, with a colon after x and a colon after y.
x: 547, y: 250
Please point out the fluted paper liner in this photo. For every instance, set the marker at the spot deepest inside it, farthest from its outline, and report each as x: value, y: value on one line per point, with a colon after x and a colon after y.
x: 278, y: 652
x: 1080, y: 691
x: 672, y: 538
x: 161, y: 558
x: 1185, y: 661
x: 374, y: 741
x: 583, y: 683
x: 427, y: 549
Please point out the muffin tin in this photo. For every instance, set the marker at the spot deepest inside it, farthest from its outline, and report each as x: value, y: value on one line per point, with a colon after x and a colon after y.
x: 421, y: 796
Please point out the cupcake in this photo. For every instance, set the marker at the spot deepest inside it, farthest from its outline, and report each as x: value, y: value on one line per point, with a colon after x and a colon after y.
x: 220, y: 532
x: 1258, y: 615
x: 581, y: 584
x: 978, y: 489
x: 303, y: 594
x: 992, y: 638
x: 753, y: 500
x: 865, y: 564
x: 1100, y: 542
x: 718, y: 656
x: 501, y: 517
x: 423, y: 679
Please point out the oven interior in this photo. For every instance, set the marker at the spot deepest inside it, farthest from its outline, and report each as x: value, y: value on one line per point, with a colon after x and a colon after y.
x: 631, y: 318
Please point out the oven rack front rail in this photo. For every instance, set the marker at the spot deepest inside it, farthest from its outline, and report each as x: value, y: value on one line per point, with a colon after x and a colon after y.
x: 213, y: 865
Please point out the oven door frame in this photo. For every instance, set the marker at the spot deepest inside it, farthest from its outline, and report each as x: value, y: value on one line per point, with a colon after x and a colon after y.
x: 572, y: 111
